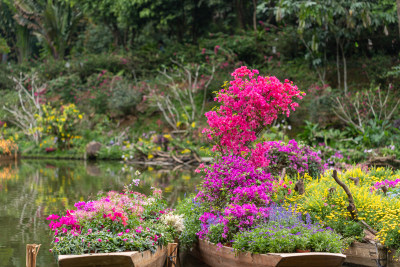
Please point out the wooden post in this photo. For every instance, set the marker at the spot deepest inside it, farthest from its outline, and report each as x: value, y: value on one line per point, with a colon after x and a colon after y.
x: 172, y: 255
x: 31, y: 252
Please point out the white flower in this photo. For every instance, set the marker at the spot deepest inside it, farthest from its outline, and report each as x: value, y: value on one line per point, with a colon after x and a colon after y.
x: 174, y: 220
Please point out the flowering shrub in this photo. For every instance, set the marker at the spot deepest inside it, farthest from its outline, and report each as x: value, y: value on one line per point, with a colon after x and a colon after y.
x: 248, y: 104
x: 329, y: 206
x: 234, y: 180
x: 115, y: 222
x: 389, y: 187
x: 282, y: 189
x: 294, y: 158
x: 60, y: 124
x: 236, y: 195
x: 285, y: 232
x: 8, y: 147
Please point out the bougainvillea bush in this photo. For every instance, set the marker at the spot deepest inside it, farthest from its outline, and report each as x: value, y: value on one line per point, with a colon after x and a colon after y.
x: 249, y: 103
x: 296, y: 159
x: 235, y: 193
x: 128, y: 221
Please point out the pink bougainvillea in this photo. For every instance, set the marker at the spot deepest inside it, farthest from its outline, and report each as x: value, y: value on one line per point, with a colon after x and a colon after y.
x: 248, y: 104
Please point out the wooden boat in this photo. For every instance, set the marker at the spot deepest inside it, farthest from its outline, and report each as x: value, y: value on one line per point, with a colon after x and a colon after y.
x: 366, y: 254
x: 216, y: 256
x: 116, y: 259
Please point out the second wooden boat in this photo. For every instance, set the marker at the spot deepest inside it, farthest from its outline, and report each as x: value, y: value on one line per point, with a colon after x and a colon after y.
x: 216, y: 256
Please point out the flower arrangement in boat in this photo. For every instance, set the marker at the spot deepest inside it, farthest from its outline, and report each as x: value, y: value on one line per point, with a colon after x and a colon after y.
x: 235, y: 200
x: 115, y: 222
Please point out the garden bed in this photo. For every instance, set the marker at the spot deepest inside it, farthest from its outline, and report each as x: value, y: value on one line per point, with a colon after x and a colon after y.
x: 221, y: 256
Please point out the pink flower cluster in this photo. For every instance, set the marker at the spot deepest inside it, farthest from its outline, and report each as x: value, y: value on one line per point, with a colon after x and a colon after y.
x: 387, y: 183
x: 296, y: 159
x: 243, y: 216
x: 235, y: 180
x: 115, y: 206
x: 235, y: 187
x: 249, y: 104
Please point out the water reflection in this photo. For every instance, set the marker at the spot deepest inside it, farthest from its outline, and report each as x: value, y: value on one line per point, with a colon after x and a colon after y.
x: 31, y: 190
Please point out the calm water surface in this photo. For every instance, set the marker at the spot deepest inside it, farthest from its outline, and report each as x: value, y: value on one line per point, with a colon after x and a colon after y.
x: 32, y: 190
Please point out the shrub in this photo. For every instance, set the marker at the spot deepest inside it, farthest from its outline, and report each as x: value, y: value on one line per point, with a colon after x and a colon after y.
x: 250, y: 103
x: 294, y: 158
x: 60, y: 123
x: 285, y: 232
x: 124, y: 97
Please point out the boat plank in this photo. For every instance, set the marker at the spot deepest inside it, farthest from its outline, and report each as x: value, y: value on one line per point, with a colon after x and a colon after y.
x: 149, y: 259
x: 114, y: 259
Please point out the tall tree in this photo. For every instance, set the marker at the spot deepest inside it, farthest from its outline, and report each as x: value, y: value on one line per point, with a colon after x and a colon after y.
x: 398, y: 14
x: 53, y: 22
x: 320, y: 21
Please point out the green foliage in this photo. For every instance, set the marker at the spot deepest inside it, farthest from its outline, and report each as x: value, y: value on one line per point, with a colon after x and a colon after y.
x: 4, y: 48
x: 53, y: 22
x: 347, y: 228
x: 124, y: 97
x: 192, y: 212
x: 271, y: 238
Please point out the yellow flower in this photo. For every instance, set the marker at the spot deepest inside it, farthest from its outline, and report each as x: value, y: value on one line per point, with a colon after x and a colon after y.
x: 178, y: 124
x: 185, y: 151
x: 80, y: 116
x: 150, y: 156
x: 193, y: 124
x: 168, y: 136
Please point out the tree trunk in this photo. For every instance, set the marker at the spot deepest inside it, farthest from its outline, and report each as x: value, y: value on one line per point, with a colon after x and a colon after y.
x: 255, y: 14
x: 344, y: 69
x: 239, y: 12
x: 398, y: 14
x: 337, y: 63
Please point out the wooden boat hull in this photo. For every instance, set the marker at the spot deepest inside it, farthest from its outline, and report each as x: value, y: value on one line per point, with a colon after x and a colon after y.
x: 216, y: 256
x: 365, y: 254
x: 115, y: 259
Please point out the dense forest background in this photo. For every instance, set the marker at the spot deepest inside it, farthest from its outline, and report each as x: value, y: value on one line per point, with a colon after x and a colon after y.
x: 138, y: 66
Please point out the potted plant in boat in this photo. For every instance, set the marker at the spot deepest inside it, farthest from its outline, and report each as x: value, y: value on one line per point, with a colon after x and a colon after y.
x: 234, y: 206
x: 117, y: 228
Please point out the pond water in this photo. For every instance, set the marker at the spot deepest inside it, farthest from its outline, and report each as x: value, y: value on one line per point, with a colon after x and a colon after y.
x: 30, y: 190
